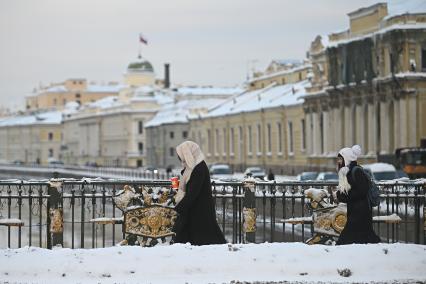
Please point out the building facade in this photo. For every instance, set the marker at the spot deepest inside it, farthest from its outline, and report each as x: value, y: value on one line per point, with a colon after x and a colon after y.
x: 261, y: 127
x: 31, y: 139
x: 374, y: 93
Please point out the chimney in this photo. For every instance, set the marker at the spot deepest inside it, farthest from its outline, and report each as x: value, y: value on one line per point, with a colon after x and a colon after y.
x: 167, y: 75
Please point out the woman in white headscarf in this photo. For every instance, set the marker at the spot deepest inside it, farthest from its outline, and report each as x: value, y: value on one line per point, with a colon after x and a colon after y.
x: 352, y: 190
x: 196, y: 222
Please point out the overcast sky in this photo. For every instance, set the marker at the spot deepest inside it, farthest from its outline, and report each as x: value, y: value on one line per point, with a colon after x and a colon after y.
x: 206, y: 42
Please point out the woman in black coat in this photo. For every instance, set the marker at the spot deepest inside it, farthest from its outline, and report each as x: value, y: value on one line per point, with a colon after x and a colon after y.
x: 353, y: 188
x: 196, y: 222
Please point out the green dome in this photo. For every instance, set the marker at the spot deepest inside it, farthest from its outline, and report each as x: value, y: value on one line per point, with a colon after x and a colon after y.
x: 139, y: 66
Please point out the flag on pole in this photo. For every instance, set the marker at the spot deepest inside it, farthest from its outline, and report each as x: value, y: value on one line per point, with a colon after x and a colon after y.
x: 142, y: 39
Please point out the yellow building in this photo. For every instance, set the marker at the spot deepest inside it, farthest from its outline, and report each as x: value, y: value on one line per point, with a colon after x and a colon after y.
x: 260, y: 127
x: 371, y: 90
x: 57, y: 96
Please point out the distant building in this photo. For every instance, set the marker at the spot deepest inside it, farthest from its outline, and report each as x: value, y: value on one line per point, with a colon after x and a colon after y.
x: 57, y: 96
x: 111, y: 131
x: 263, y: 126
x: 33, y: 139
x: 369, y: 84
x: 170, y: 126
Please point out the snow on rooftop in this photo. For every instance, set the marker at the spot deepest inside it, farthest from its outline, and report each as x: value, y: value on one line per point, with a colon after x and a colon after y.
x: 281, y: 72
x: 399, y: 26
x: 104, y: 88
x: 54, y: 117
x: 107, y: 102
x: 180, y: 112
x: 208, y: 91
x: 228, y: 263
x: 399, y: 7
x: 91, y: 88
x: 269, y: 97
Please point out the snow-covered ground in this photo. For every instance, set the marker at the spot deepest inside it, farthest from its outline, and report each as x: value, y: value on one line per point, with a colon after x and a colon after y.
x: 269, y: 262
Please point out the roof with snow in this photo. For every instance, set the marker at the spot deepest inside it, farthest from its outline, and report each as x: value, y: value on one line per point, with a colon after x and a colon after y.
x: 287, y: 62
x: 282, y: 72
x: 107, y: 102
x: 269, y: 97
x: 91, y: 88
x: 399, y: 7
x: 181, y: 111
x: 54, y: 117
x: 208, y: 91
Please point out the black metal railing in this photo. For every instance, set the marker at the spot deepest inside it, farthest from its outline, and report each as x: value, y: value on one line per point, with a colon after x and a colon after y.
x: 25, y: 211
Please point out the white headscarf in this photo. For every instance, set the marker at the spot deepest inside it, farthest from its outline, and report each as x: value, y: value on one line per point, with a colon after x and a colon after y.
x: 190, y: 155
x: 349, y: 155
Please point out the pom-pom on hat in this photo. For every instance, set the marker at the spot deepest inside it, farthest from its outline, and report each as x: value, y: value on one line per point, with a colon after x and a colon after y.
x: 350, y: 154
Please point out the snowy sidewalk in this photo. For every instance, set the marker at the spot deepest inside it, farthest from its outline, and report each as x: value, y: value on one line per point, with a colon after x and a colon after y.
x: 292, y: 262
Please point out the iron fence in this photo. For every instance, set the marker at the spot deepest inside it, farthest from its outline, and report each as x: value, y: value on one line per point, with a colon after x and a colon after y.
x: 25, y: 211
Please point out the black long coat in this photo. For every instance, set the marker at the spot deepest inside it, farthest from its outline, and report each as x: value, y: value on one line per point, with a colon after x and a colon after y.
x: 359, y: 225
x: 196, y: 222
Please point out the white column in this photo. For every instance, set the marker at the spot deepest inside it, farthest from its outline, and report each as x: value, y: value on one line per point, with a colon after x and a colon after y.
x: 372, y: 131
x: 316, y: 133
x: 403, y: 123
x: 326, y: 129
x: 412, y: 121
x: 384, y: 128
x: 347, y: 127
x: 397, y: 124
x: 359, y: 131
x: 338, y: 120
x: 308, y: 131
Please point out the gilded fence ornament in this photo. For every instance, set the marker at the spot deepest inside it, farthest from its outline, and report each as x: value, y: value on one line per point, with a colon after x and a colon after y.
x: 56, y: 220
x: 249, y: 215
x: 153, y: 222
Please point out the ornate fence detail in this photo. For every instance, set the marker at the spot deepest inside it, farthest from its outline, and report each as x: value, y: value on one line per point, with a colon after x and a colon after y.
x: 87, y: 214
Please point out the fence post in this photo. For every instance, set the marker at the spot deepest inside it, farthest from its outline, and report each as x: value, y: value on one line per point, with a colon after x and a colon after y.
x: 55, y: 221
x: 249, y: 210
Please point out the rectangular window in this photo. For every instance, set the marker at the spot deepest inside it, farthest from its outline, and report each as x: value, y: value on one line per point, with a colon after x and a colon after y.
x: 184, y: 134
x: 50, y: 153
x: 172, y: 135
x: 290, y: 138
x: 224, y: 142
x: 280, y: 139
x: 50, y: 136
x: 231, y: 142
x: 423, y: 59
x: 172, y: 152
x: 269, y: 139
x: 140, y: 147
x: 249, y: 138
x: 303, y: 135
x: 259, y: 141
x: 140, y: 127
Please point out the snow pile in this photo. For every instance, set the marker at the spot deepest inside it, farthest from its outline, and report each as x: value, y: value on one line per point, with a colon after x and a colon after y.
x: 217, y: 264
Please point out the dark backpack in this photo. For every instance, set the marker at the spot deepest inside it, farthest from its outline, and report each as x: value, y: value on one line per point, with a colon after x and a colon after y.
x: 373, y: 193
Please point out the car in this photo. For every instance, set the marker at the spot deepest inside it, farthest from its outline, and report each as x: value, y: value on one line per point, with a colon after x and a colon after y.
x: 55, y: 163
x: 328, y: 176
x: 307, y: 176
x: 381, y: 171
x: 255, y: 172
x: 18, y: 162
x: 221, y: 172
